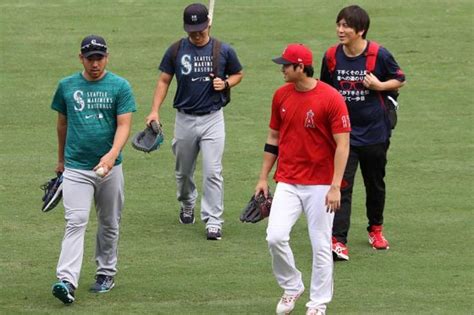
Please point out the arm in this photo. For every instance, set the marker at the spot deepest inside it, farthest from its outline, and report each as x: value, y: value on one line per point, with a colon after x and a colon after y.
x: 124, y: 123
x: 268, y: 162
x: 61, y: 129
x: 232, y: 80
x: 333, y: 197
x: 162, y: 85
x: 373, y: 83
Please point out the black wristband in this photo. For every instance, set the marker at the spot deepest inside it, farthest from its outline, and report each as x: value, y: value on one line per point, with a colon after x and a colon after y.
x: 227, y: 85
x: 270, y: 148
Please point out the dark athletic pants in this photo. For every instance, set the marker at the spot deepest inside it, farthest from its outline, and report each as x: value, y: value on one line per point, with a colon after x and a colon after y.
x: 372, y: 160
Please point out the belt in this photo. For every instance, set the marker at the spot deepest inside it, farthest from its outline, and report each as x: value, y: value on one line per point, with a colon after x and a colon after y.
x: 188, y: 112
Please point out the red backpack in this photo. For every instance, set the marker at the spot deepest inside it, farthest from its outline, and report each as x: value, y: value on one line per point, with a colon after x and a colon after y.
x: 388, y: 98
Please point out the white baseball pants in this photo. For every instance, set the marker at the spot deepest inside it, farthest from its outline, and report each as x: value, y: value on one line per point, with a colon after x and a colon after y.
x: 289, y: 202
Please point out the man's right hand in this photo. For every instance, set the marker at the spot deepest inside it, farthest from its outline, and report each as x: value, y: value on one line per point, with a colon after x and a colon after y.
x: 60, y: 167
x: 262, y: 186
x: 152, y: 116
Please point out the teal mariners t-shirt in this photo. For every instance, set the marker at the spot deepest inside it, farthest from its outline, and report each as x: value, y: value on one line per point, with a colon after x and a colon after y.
x: 91, y: 108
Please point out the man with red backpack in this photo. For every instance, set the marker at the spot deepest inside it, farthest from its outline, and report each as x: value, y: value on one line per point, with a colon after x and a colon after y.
x: 368, y: 77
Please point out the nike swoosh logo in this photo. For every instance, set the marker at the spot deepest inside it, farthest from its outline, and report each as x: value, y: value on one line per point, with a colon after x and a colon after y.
x: 89, y: 116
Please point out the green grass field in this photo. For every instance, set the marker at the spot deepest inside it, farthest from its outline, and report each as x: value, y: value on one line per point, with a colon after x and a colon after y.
x: 167, y: 268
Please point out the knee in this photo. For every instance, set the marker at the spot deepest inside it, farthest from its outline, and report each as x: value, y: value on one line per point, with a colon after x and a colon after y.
x: 276, y: 238
x: 77, y: 218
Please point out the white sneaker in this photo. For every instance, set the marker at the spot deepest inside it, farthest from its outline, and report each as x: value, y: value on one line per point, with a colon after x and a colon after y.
x: 287, y: 303
x: 314, y: 311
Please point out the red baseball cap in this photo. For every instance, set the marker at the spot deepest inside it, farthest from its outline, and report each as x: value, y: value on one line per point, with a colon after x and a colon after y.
x: 295, y: 53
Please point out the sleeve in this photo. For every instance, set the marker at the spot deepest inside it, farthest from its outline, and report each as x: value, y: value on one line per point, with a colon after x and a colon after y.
x: 125, y: 99
x: 275, y: 118
x: 325, y: 76
x: 232, y: 65
x: 167, y: 64
x: 59, y: 104
x: 391, y: 68
x: 339, y: 115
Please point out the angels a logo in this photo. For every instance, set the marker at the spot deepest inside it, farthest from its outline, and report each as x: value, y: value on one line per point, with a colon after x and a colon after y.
x: 79, y: 101
x: 186, y: 65
x: 309, y: 121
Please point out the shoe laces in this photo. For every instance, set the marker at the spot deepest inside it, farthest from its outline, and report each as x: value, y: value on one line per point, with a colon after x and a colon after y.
x: 288, y: 298
x: 213, y: 229
x: 102, y: 279
x: 187, y: 212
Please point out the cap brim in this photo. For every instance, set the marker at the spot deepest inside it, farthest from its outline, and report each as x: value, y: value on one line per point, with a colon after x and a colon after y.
x: 94, y: 52
x: 196, y: 27
x: 281, y: 61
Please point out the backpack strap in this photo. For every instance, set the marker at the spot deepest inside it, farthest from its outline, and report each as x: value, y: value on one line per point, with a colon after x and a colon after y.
x: 331, y: 58
x: 175, y: 49
x: 371, y: 56
x: 216, y: 49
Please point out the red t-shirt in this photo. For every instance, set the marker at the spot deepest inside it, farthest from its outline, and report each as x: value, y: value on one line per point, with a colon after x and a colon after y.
x: 306, y: 122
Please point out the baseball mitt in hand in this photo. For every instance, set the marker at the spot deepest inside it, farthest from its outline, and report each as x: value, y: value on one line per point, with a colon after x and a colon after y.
x: 53, y: 192
x: 257, y: 209
x: 149, y: 139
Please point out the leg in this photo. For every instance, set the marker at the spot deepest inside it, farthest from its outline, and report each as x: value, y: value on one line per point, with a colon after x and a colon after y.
x: 373, y: 160
x: 186, y: 148
x: 78, y: 191
x: 286, y: 209
x: 342, y: 218
x: 109, y: 198
x: 319, y: 229
x: 212, y: 148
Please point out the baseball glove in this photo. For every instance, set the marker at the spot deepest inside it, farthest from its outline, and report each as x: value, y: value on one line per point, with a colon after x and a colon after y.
x: 257, y: 209
x: 149, y: 139
x: 53, y: 192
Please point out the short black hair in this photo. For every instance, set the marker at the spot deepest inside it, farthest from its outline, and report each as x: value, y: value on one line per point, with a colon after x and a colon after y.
x: 308, y: 70
x: 356, y: 17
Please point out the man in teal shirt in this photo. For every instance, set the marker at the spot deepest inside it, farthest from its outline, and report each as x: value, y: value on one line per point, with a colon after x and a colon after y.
x: 94, y: 119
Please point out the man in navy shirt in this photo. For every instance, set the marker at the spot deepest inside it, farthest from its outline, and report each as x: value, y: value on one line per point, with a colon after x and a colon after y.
x: 365, y: 94
x: 199, y: 124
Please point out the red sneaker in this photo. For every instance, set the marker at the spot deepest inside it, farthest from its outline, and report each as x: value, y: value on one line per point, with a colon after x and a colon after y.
x: 376, y: 238
x: 339, y: 250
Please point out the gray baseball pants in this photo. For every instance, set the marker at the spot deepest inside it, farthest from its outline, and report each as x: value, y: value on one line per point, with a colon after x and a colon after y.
x: 80, y: 188
x: 205, y: 134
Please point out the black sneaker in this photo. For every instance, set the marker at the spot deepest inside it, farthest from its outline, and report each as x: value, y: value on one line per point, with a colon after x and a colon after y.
x: 214, y: 233
x: 64, y: 291
x: 102, y: 284
x: 186, y: 215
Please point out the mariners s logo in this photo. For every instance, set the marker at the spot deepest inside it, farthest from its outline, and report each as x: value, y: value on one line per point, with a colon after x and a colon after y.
x: 79, y: 101
x: 186, y: 66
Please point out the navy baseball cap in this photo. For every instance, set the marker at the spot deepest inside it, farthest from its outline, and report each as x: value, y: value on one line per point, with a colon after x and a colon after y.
x: 195, y: 17
x: 93, y: 45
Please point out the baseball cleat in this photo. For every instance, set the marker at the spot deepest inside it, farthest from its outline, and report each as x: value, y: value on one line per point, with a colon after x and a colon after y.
x: 314, y: 311
x: 376, y: 238
x: 186, y: 215
x: 340, y: 252
x: 103, y: 284
x: 64, y: 291
x: 287, y: 303
x: 214, y: 233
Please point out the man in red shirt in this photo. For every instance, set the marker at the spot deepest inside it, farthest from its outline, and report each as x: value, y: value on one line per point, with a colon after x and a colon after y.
x: 309, y: 135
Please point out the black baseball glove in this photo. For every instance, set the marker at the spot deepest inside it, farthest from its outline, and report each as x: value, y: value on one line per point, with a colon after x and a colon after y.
x: 149, y: 139
x: 53, y: 192
x: 257, y: 209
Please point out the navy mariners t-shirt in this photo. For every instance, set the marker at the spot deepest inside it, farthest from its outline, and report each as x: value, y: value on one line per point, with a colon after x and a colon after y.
x: 192, y: 67
x: 369, y: 120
